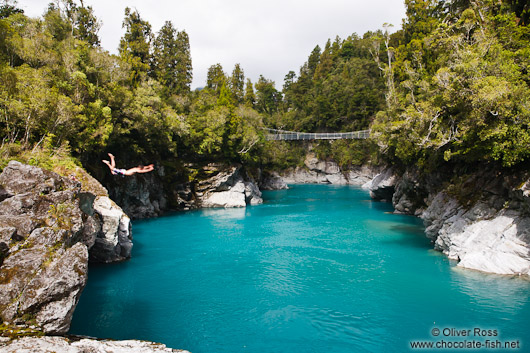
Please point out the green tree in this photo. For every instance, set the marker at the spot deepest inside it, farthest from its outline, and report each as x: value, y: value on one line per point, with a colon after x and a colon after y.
x: 422, y: 17
x: 460, y: 90
x: 171, y: 61
x: 9, y: 8
x: 184, y: 63
x: 250, y: 96
x: 237, y: 83
x: 135, y: 45
x: 216, y: 78
x: 57, y: 25
x: 148, y: 126
x: 207, y: 131
x: 165, y: 58
x: 87, y: 25
x: 313, y: 61
x: 245, y: 134
x: 267, y: 97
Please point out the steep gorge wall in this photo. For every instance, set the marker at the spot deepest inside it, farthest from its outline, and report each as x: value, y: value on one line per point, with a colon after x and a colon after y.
x: 316, y: 171
x: 219, y: 185
x: 481, y: 219
x: 49, y: 228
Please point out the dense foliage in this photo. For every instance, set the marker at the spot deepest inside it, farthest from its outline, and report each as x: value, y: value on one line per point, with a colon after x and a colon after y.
x: 61, y: 91
x: 451, y: 85
x: 458, y: 84
x: 337, y: 89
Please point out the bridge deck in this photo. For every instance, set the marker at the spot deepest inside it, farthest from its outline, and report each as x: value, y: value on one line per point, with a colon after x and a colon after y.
x: 293, y: 135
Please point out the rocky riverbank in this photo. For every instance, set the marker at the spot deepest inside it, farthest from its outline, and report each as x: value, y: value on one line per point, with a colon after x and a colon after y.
x: 479, y: 219
x: 221, y: 185
x: 50, y: 227
x: 316, y: 171
x: 59, y: 344
x: 227, y: 187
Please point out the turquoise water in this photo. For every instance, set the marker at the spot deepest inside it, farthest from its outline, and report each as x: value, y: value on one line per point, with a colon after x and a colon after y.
x: 316, y: 268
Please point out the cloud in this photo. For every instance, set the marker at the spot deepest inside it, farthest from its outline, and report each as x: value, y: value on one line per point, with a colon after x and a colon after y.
x: 267, y: 38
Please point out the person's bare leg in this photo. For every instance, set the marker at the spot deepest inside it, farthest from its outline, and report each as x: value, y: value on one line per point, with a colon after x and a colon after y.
x: 112, y: 161
x: 108, y: 164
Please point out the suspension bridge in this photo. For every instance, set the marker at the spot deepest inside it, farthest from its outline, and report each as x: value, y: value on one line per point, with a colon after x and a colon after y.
x: 277, y: 135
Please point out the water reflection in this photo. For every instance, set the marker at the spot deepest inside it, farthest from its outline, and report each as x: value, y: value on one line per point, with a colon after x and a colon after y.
x: 492, y: 290
x: 222, y: 214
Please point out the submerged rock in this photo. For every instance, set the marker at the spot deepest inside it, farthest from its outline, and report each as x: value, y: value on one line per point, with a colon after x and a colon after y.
x: 48, y: 224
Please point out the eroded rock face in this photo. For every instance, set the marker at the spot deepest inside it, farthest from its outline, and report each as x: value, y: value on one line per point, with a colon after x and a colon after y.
x: 227, y: 188
x: 140, y: 195
x: 82, y: 345
x: 480, y: 238
x: 273, y: 181
x: 383, y: 185
x: 47, y: 226
x: 316, y: 171
x: 410, y: 195
x: 483, y: 222
x: 114, y: 241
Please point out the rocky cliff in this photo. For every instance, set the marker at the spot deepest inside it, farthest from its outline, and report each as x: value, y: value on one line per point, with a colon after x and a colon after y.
x: 216, y: 185
x: 227, y: 188
x: 49, y: 228
x: 140, y: 195
x: 316, y: 171
x: 481, y: 220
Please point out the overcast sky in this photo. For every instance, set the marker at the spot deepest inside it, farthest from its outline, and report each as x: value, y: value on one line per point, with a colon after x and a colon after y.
x: 269, y: 37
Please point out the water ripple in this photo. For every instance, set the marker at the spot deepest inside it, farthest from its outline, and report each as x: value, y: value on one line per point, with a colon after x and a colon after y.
x: 314, y: 269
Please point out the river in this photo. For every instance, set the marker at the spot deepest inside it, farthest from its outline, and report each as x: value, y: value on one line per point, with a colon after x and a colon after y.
x: 316, y: 268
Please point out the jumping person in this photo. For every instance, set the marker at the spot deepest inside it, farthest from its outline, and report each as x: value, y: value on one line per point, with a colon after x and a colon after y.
x: 116, y: 171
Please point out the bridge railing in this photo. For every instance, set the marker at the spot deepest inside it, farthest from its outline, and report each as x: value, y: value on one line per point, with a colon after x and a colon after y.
x: 293, y: 135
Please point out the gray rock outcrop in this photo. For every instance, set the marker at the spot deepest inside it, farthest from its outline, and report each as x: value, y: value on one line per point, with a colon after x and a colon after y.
x: 140, y: 195
x: 316, y: 171
x: 113, y: 242
x: 272, y: 181
x: 483, y: 222
x: 81, y: 345
x: 481, y: 237
x: 227, y: 188
x: 48, y: 224
x: 383, y: 185
x: 410, y: 195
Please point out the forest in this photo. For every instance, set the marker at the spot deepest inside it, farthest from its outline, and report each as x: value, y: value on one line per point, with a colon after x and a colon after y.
x: 450, y: 86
